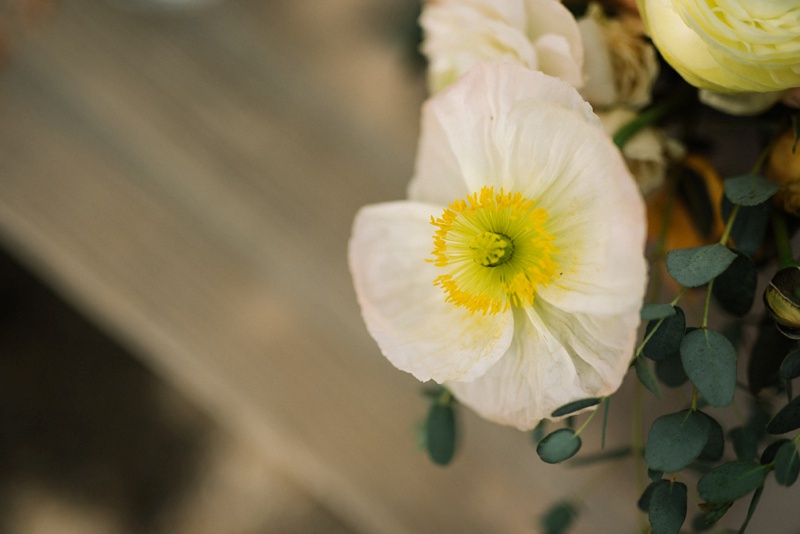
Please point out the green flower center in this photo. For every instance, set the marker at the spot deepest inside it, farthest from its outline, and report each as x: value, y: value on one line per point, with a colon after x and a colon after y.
x: 495, y: 250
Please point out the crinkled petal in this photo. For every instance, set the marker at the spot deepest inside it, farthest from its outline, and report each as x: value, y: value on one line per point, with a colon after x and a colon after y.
x: 458, y: 35
x: 555, y: 33
x: 555, y: 358
x: 406, y: 314
x: 468, y: 130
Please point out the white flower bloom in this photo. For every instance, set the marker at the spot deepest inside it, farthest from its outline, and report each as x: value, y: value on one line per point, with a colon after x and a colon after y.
x: 515, y: 272
x: 733, y: 46
x: 539, y: 34
x: 620, y: 64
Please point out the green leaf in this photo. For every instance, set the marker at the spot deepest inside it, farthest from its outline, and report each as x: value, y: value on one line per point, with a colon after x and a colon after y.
x: 731, y: 481
x: 771, y: 450
x: 715, y: 446
x: 745, y: 442
x: 667, y: 508
x: 654, y: 475
x: 701, y: 524
x: 790, y: 367
x: 735, y: 289
x: 709, y: 360
x: 537, y: 434
x: 440, y: 431
x: 558, y: 446
x: 576, y: 406
x: 694, y: 267
x: 646, y: 377
x: 666, y: 339
x: 765, y: 357
x: 714, y: 511
x: 670, y: 371
x: 644, y: 499
x: 675, y: 440
x: 749, y: 189
x: 653, y: 311
x: 749, y: 227
x: 559, y: 517
x: 787, y: 419
x: 787, y: 464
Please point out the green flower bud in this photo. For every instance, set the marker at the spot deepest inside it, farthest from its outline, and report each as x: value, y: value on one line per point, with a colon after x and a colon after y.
x: 782, y: 300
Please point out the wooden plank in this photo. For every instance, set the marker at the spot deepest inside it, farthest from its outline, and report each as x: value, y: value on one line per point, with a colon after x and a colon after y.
x: 190, y: 179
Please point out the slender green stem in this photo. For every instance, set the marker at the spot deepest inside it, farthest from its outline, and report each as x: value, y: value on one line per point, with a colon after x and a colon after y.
x: 650, y: 116
x: 585, y: 423
x: 729, y: 225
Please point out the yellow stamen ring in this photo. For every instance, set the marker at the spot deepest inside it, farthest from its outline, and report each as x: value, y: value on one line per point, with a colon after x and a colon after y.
x: 496, y: 249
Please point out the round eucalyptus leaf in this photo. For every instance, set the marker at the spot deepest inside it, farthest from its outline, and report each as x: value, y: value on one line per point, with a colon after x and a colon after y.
x: 745, y: 442
x: 558, y: 446
x: 675, y: 440
x: 790, y: 367
x: 440, y: 431
x: 709, y: 360
x: 749, y: 189
x: 644, y: 499
x: 576, y: 406
x: 787, y: 419
x: 670, y: 371
x: 735, y: 289
x: 714, y: 511
x: 749, y: 227
x: 653, y: 311
x: 654, y: 474
x: 715, y: 446
x: 787, y: 464
x: 558, y: 518
x: 667, y: 509
x: 732, y: 480
x: 666, y: 339
x: 646, y: 377
x: 696, y: 266
x: 771, y: 450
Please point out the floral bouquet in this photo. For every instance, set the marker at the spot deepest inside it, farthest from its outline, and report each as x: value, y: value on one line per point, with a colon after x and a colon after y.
x: 567, y: 224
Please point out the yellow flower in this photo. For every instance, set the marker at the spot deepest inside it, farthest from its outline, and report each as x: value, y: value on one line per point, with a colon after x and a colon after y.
x: 732, y: 46
x: 515, y: 272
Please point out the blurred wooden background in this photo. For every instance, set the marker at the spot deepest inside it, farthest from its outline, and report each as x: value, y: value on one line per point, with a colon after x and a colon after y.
x: 188, y: 179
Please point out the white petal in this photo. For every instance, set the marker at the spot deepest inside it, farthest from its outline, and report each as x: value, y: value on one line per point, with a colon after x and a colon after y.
x: 468, y: 130
x: 555, y: 34
x: 554, y: 359
x: 532, y: 379
x: 406, y: 314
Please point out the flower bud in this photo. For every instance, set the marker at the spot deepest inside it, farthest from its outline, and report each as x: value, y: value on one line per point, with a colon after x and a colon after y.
x: 783, y: 168
x: 782, y: 300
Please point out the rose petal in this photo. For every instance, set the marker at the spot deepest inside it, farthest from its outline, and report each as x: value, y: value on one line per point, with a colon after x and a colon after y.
x: 406, y: 314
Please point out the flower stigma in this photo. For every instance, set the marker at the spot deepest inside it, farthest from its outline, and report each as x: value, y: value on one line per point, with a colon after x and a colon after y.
x: 496, y: 250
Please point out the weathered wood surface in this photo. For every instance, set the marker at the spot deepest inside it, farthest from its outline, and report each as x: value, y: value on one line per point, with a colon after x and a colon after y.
x: 189, y: 179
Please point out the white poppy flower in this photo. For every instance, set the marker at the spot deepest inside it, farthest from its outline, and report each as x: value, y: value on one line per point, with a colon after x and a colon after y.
x: 515, y: 272
x: 539, y: 34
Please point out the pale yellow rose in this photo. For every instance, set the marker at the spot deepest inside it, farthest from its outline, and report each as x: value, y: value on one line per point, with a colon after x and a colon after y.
x: 728, y: 46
